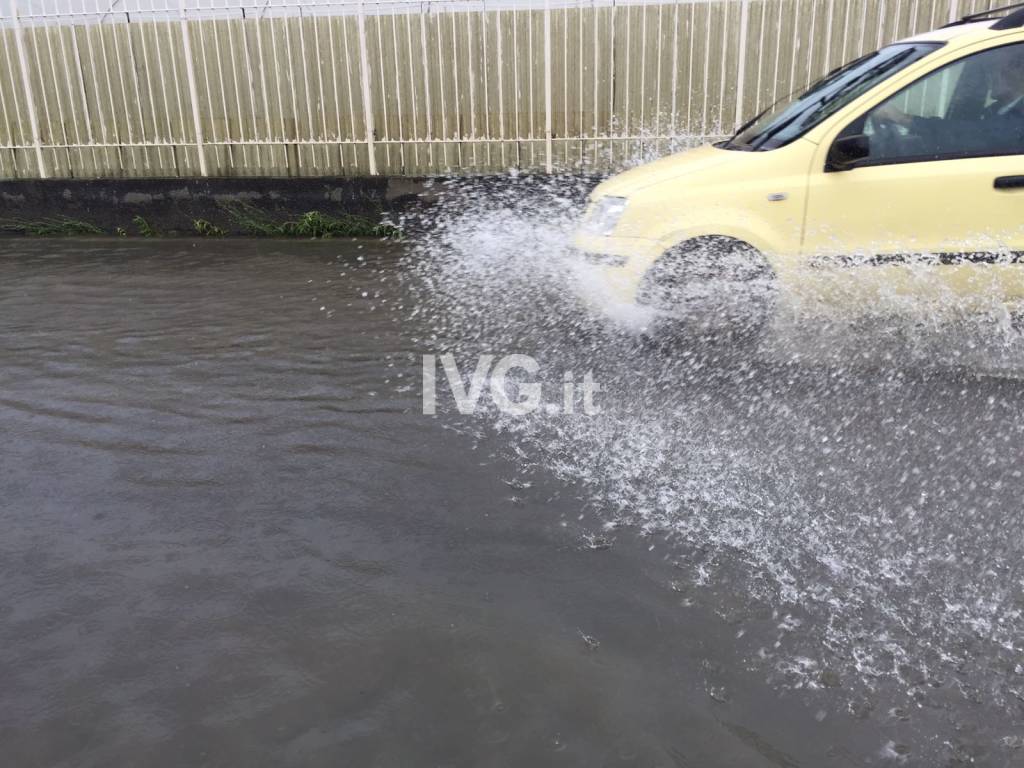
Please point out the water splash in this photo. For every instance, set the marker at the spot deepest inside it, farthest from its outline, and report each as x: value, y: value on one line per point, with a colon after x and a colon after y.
x: 858, y: 475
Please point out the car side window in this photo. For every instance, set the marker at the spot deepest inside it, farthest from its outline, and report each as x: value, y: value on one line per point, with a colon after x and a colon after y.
x: 973, y: 107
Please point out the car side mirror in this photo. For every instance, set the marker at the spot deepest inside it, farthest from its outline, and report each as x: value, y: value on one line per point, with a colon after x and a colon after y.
x: 847, y: 151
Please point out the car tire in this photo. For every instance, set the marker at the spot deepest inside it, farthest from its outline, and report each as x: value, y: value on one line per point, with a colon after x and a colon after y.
x: 716, y: 289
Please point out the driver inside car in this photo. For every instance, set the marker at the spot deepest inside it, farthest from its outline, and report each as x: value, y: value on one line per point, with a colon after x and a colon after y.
x: 976, y: 119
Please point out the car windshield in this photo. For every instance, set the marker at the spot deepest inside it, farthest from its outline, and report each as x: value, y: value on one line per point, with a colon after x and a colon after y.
x: 789, y: 120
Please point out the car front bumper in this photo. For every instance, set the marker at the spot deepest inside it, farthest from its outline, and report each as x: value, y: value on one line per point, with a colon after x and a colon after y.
x: 610, y: 269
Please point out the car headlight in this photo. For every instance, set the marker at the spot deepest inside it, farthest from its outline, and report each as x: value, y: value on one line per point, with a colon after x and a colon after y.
x: 605, y: 215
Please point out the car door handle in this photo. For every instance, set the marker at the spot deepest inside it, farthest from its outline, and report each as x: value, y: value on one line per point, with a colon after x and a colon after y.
x: 1010, y: 182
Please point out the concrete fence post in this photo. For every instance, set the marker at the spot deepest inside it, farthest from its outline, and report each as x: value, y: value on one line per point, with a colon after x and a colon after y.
x: 364, y: 73
x: 26, y: 83
x: 193, y: 92
x: 548, y: 163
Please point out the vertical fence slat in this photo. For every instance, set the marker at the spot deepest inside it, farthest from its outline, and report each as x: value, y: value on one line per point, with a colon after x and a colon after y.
x: 548, y: 147
x: 428, y: 105
x: 193, y: 91
x: 26, y: 84
x: 742, y: 72
x: 364, y: 73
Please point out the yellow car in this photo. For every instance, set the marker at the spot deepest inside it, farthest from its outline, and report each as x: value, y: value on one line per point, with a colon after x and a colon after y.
x: 900, y: 174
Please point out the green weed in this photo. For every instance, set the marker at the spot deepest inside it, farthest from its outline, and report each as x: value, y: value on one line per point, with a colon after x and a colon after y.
x: 57, y: 226
x: 206, y: 229
x: 144, y: 227
x: 313, y: 224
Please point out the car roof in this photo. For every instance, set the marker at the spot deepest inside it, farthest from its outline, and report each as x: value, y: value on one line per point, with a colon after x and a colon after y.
x: 976, y: 27
x: 952, y: 32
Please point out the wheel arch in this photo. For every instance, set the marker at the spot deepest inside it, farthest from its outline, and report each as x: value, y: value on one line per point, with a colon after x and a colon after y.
x: 681, y: 246
x: 743, y: 235
x: 710, y: 239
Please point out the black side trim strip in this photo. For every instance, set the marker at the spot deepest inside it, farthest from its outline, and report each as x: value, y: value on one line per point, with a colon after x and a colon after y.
x: 924, y: 259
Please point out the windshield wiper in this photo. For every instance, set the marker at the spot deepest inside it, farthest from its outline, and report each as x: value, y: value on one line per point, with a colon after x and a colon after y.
x: 831, y: 98
x: 819, y: 83
x: 730, y: 145
x: 878, y: 69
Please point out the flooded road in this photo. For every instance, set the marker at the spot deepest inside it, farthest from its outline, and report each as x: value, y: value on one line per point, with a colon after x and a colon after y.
x: 230, y: 536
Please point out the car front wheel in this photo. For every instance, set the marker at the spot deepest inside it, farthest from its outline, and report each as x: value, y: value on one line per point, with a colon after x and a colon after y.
x: 714, y: 287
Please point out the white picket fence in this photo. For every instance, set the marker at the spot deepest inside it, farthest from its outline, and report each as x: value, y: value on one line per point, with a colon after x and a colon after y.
x: 136, y: 88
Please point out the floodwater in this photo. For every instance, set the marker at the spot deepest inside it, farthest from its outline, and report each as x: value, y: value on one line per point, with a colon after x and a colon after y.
x: 231, y: 537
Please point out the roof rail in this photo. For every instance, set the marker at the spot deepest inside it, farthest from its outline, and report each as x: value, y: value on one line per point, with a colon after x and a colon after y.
x: 1011, y: 21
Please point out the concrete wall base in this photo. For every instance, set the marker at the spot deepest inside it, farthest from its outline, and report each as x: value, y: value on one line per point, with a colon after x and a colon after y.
x: 171, y: 206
